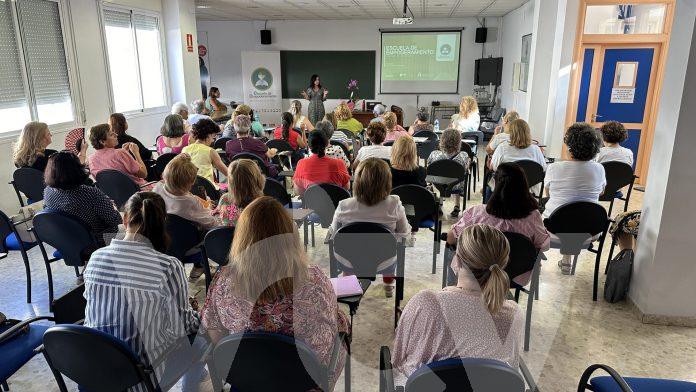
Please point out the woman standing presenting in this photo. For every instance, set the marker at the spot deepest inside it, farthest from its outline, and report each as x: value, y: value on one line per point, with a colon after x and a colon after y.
x: 316, y: 95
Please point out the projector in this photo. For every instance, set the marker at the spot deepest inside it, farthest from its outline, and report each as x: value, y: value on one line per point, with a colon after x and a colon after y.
x: 402, y: 21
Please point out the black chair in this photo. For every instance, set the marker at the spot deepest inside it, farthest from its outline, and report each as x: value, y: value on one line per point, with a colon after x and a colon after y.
x: 426, y: 148
x: 10, y: 241
x: 322, y: 199
x: 426, y: 212
x: 162, y: 161
x: 221, y: 143
x: 218, y: 242
x: 29, y: 182
x: 118, y: 186
x: 476, y: 136
x: 350, y: 135
x: 365, y: 245
x: 208, y: 187
x: 262, y: 361
x: 389, y: 143
x: 524, y: 257
x: 616, y: 383
x: 251, y: 156
x: 277, y: 191
x: 453, y: 374
x: 69, y: 235
x: 619, y: 175
x: 488, y: 123
x: 184, y: 236
x: 576, y: 226
x: 284, y: 157
x: 95, y: 360
x: 534, y: 173
x: 343, y: 147
x: 448, y: 168
x: 473, y: 168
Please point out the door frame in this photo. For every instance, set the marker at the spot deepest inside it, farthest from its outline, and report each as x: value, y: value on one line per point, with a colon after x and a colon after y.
x: 600, y: 42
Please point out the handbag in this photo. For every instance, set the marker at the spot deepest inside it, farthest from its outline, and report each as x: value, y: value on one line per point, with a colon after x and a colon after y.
x: 22, y: 221
x: 618, y: 276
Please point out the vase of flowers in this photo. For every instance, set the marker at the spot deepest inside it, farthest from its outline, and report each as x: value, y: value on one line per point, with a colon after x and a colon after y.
x: 353, y: 89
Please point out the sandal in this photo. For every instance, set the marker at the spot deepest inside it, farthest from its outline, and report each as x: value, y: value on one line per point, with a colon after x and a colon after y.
x: 455, y: 212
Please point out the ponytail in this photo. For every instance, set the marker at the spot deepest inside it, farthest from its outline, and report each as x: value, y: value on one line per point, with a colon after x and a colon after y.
x: 147, y: 213
x: 287, y: 123
x: 484, y: 251
x: 317, y: 143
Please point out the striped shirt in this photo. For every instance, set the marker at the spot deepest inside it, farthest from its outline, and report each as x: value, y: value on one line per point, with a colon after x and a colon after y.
x: 140, y: 296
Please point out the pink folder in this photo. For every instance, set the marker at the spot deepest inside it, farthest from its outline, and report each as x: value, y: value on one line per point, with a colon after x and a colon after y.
x: 346, y: 286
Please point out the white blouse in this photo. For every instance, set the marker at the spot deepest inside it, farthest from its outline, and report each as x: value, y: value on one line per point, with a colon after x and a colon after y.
x: 466, y: 124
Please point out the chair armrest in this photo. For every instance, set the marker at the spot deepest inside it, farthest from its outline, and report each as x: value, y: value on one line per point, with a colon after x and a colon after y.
x: 386, y: 374
x: 18, y: 327
x: 613, y: 373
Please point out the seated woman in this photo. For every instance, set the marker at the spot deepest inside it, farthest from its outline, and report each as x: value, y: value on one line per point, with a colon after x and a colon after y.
x: 404, y: 164
x: 285, y: 131
x: 245, y: 183
x: 125, y: 159
x: 183, y: 110
x: 578, y: 179
x: 332, y: 151
x: 269, y: 286
x: 120, y: 126
x: 422, y: 123
x: 502, y: 133
x: 376, y: 133
x: 468, y: 119
x: 394, y: 130
x: 613, y: 133
x: 451, y: 148
x: 161, y: 318
x: 30, y: 149
x: 245, y: 143
x: 519, y: 147
x: 215, y: 107
x: 372, y: 202
x: 511, y: 208
x: 174, y: 137
x: 65, y: 191
x: 345, y: 120
x: 202, y: 154
x: 319, y: 168
x: 298, y: 120
x: 471, y: 319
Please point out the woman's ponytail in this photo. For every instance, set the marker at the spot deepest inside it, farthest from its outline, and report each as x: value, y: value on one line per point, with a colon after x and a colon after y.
x: 287, y: 122
x: 318, y: 143
x: 495, y: 288
x: 147, y: 214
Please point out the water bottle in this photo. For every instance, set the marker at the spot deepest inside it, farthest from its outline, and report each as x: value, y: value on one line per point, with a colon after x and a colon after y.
x: 437, y: 125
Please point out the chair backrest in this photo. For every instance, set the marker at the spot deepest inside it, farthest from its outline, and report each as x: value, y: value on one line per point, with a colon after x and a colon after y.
x: 465, y: 375
x: 323, y: 199
x: 29, y: 182
x: 365, y: 245
x: 70, y: 307
x: 162, y: 162
x: 268, y: 362
x: 6, y: 228
x: 218, y: 242
x: 118, y: 186
x: 184, y: 235
x: 523, y: 254
x: 221, y: 143
x: 447, y: 168
x: 389, y: 143
x: 282, y: 146
x: 342, y: 146
x: 532, y: 170
x: 249, y: 155
x: 618, y: 175
x: 574, y: 223
x: 277, y: 191
x: 350, y: 135
x: 476, y: 135
x: 424, y: 149
x: 208, y: 187
x: 466, y: 147
x: 423, y: 201
x: 95, y: 360
x: 68, y: 234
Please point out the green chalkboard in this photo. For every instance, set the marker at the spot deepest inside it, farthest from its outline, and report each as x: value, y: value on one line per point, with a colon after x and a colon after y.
x: 334, y: 68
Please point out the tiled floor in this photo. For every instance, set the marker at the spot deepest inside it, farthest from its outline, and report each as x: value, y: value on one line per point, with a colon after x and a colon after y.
x: 569, y: 331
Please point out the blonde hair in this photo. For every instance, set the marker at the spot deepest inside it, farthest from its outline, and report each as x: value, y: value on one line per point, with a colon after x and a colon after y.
x: 29, y: 145
x: 342, y: 112
x: 485, y: 251
x: 331, y: 117
x: 520, y: 135
x: 245, y: 182
x: 267, y: 260
x: 389, y: 121
x: 372, y: 182
x: 241, y: 109
x: 510, y: 117
x: 296, y: 111
x: 180, y: 174
x: 467, y: 106
x: 404, y: 155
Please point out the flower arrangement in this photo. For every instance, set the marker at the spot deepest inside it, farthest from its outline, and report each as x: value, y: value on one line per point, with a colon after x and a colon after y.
x: 353, y: 88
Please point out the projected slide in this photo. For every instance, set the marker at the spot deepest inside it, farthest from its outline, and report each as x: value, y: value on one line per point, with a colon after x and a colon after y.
x: 420, y: 62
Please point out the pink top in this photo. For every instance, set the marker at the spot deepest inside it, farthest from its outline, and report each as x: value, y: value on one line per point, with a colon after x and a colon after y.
x: 311, y: 314
x: 395, y: 134
x: 115, y: 159
x: 163, y: 148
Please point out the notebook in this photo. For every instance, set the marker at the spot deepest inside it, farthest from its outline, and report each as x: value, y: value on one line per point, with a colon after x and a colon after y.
x: 346, y: 286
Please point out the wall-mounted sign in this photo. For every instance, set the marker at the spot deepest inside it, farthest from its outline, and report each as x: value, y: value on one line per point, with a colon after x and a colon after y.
x: 623, y: 95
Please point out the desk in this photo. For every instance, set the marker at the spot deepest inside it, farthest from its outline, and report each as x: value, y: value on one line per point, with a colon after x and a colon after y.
x: 420, y: 140
x: 299, y: 214
x: 364, y: 117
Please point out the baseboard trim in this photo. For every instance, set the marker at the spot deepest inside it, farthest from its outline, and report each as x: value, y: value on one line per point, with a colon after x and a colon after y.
x: 659, y: 319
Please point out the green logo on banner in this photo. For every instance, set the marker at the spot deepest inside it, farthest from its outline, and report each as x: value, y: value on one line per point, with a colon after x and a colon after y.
x: 262, y: 79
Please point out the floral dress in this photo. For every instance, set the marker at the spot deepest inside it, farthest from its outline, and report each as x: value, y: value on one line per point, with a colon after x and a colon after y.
x: 227, y: 211
x: 316, y: 105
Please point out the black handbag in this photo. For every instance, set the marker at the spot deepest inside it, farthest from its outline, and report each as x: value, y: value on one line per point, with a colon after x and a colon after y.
x: 618, y: 276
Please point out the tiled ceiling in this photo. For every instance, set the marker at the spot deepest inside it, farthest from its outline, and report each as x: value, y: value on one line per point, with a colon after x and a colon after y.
x: 348, y: 9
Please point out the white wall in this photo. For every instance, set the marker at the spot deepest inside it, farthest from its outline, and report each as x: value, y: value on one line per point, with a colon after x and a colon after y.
x: 226, y: 41
x: 515, y: 25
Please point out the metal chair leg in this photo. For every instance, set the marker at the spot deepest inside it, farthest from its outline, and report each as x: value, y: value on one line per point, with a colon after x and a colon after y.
x: 533, y: 289
x: 575, y: 262
x: 312, y: 235
x: 346, y: 372
x: 50, y: 275
x: 306, y: 234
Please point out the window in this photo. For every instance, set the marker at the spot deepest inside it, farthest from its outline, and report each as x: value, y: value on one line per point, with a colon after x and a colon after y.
x: 625, y: 19
x: 135, y: 60
x: 34, y: 82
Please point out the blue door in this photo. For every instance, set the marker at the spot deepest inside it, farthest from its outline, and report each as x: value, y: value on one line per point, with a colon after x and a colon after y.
x: 615, y: 85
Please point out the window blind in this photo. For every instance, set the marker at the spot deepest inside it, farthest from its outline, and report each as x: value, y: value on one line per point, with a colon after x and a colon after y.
x: 145, y: 22
x: 44, y: 50
x: 115, y: 18
x: 12, y: 93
